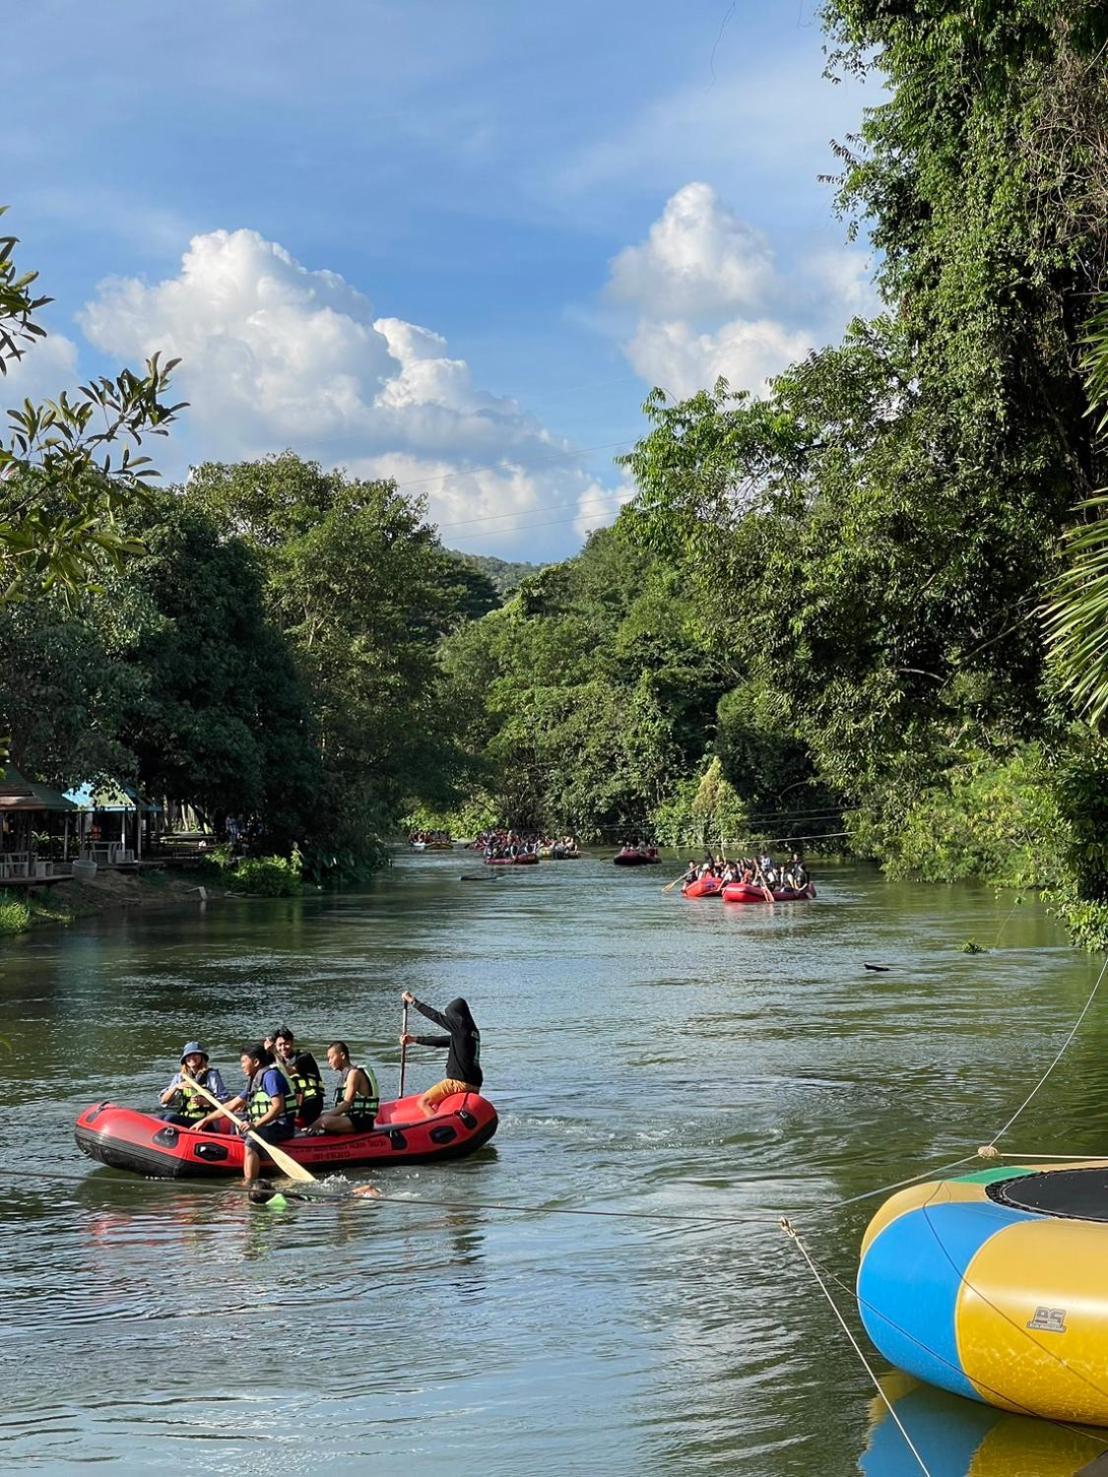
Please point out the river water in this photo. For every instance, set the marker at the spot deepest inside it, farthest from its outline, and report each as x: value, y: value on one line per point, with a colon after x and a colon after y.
x: 647, y: 1054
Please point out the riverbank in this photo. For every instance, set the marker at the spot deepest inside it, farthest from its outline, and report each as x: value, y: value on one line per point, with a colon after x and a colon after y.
x: 63, y: 903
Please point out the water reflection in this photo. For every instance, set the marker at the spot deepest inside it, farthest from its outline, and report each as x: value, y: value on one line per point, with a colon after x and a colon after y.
x: 645, y: 1056
x: 958, y: 1438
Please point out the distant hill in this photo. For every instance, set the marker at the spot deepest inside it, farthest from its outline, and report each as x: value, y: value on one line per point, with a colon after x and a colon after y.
x: 504, y: 575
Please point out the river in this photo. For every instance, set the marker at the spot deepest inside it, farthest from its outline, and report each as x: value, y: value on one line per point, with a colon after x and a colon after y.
x: 647, y: 1055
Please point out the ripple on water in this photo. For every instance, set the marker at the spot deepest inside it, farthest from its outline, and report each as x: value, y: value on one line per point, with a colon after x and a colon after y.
x: 648, y: 1056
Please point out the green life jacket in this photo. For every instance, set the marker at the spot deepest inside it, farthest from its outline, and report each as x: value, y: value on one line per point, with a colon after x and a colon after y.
x: 308, y: 1085
x: 188, y: 1103
x: 259, y: 1102
x: 360, y: 1106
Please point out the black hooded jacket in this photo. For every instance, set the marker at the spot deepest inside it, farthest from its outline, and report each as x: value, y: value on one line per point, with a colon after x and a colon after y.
x: 463, y: 1060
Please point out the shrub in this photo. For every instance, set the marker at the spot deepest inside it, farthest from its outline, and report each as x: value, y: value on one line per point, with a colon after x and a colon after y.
x: 267, y: 876
x: 703, y: 811
x: 15, y: 914
x: 994, y: 818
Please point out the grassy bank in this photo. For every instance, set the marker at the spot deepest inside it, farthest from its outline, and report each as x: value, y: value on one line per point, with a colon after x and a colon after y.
x: 62, y: 903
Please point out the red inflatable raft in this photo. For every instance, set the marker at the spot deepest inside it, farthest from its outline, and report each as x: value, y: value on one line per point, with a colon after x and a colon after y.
x: 530, y: 860
x: 703, y: 887
x: 128, y: 1139
x: 630, y: 857
x: 747, y: 892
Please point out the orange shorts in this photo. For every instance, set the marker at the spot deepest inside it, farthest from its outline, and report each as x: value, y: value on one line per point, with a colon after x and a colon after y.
x: 444, y: 1089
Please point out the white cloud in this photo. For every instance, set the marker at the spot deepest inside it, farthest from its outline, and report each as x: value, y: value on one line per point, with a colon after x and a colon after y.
x: 846, y: 277
x: 46, y: 368
x: 682, y: 361
x: 699, y: 264
x: 698, y: 258
x: 597, y: 506
x: 274, y: 355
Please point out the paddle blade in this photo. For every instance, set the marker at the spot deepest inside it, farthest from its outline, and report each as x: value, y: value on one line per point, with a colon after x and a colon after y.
x: 284, y: 1162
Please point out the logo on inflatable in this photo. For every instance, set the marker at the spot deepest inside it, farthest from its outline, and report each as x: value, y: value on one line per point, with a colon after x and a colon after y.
x: 1049, y: 1320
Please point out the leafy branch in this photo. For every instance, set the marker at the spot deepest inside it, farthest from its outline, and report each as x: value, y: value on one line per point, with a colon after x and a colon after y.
x: 69, y: 467
x: 1076, y: 614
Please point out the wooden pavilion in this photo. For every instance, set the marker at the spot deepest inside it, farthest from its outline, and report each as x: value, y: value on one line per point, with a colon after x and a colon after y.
x: 31, y: 849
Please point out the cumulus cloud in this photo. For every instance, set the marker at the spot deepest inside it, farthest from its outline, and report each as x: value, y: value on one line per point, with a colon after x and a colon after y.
x: 746, y: 353
x: 710, y: 299
x: 597, y: 507
x: 697, y: 259
x: 846, y: 278
x: 275, y: 354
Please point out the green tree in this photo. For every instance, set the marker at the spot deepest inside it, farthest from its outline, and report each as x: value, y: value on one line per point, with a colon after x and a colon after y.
x: 69, y: 468
x: 588, y: 696
x: 61, y: 693
x: 216, y: 711
x: 363, y: 592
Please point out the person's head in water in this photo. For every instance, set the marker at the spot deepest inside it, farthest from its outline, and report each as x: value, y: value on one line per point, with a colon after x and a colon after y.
x: 261, y: 1192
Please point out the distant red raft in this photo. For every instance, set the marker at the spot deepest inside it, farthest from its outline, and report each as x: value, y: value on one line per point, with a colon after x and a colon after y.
x: 704, y: 887
x: 530, y: 859
x: 632, y: 856
x: 128, y: 1139
x: 746, y: 892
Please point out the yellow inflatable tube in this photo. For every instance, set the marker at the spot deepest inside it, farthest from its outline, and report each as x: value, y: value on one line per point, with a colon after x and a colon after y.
x: 995, y: 1286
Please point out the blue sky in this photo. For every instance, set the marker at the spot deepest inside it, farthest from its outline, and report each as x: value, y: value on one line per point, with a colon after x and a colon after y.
x: 451, y: 241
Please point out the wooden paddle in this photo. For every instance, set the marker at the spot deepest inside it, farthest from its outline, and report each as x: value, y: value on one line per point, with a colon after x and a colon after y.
x: 284, y: 1162
x: 674, y: 883
x: 403, y: 1050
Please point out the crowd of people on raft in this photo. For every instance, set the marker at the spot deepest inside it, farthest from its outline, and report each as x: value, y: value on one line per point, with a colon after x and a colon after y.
x: 637, y: 847
x: 421, y: 839
x: 283, y: 1094
x: 504, y: 843
x: 760, y: 871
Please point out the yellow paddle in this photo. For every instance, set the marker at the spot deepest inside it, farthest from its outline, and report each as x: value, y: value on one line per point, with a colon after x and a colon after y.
x: 284, y: 1162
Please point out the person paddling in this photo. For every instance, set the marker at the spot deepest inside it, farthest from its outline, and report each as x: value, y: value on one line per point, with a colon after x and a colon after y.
x: 268, y: 1103
x: 463, y: 1059
x: 187, y: 1108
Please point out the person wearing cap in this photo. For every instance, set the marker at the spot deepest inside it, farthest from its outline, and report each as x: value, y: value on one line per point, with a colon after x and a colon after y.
x: 186, y: 1106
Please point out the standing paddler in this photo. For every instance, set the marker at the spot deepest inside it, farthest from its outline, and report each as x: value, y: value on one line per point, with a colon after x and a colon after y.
x: 463, y: 1059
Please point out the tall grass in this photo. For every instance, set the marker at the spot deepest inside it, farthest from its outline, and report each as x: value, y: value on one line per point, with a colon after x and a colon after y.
x: 15, y: 914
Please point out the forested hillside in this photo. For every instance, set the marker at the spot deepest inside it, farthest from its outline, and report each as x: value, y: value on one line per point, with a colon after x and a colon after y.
x: 504, y: 575
x: 836, y: 591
